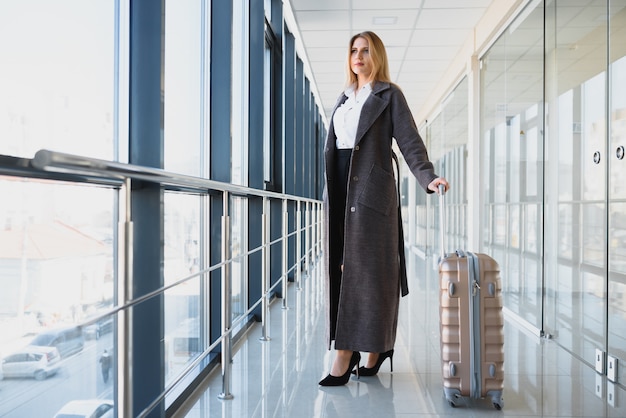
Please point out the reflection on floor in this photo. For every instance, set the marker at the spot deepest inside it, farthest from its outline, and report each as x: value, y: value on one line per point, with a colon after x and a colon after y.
x: 278, y: 378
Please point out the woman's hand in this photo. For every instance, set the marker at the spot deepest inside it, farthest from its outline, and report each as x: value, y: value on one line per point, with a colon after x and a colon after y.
x: 434, y: 185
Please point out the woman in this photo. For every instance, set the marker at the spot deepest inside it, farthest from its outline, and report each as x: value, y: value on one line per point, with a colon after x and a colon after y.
x: 363, y: 256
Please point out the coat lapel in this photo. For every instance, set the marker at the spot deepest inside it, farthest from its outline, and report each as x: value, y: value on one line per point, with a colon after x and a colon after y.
x: 372, y: 109
x: 331, y: 126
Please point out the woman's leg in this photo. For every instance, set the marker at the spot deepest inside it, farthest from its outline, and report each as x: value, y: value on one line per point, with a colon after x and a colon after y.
x: 342, y: 357
x: 341, y: 363
x: 372, y: 358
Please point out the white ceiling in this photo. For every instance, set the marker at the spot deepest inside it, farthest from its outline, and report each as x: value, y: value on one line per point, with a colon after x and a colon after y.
x: 422, y: 38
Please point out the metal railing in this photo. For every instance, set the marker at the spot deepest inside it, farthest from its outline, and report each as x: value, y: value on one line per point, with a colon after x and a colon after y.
x: 77, y: 169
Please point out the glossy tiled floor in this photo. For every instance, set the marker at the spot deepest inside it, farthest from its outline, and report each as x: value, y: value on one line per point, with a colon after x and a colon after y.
x: 278, y: 378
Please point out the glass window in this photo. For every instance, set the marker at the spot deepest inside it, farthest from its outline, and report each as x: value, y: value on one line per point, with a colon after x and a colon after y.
x: 59, y: 90
x: 268, y: 9
x: 184, y: 81
x: 57, y: 77
x: 267, y: 114
x: 57, y: 261
x: 239, y: 113
x: 239, y: 254
x: 271, y: 111
x: 182, y: 251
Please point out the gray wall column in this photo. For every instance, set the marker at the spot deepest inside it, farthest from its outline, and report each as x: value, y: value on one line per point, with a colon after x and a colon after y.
x: 146, y: 149
x: 220, y: 151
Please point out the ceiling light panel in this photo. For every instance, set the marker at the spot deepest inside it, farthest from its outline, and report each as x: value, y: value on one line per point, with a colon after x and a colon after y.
x: 384, y: 20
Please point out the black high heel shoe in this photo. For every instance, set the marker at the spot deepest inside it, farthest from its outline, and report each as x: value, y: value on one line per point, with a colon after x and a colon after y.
x: 331, y: 380
x: 366, y: 371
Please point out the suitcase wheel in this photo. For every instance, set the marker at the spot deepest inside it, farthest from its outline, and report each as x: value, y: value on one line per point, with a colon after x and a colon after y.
x: 451, y: 399
x: 497, y: 402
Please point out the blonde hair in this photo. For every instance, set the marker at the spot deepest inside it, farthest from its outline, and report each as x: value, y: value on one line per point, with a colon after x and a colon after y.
x: 378, y: 55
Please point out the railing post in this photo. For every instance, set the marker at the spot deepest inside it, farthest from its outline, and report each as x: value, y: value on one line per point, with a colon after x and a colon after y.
x: 285, y: 247
x: 313, y: 231
x: 318, y: 238
x: 265, y: 274
x: 124, y: 317
x: 298, y: 246
x: 226, y: 300
x: 309, y: 236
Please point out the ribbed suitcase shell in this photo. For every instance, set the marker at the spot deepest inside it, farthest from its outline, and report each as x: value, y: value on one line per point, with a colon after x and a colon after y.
x: 472, y: 327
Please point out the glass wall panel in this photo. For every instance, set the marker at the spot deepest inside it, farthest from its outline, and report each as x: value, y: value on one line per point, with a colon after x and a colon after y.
x: 239, y: 266
x: 57, y: 278
x: 446, y: 137
x: 57, y: 77
x: 267, y: 112
x: 451, y: 162
x: 426, y: 225
x: 184, y: 97
x: 240, y: 95
x: 576, y: 166
x: 617, y: 183
x: 182, y: 252
x: 58, y: 87
x: 512, y: 160
x: 272, y: 110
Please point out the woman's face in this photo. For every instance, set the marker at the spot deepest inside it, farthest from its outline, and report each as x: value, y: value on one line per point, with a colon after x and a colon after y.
x: 360, y: 61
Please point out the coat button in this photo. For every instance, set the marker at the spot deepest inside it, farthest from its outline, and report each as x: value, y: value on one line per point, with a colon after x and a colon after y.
x: 352, y: 209
x: 356, y: 148
x: 355, y: 178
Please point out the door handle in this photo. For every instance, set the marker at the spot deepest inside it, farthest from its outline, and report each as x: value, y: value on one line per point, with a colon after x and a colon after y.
x: 596, y: 157
x: 619, y: 153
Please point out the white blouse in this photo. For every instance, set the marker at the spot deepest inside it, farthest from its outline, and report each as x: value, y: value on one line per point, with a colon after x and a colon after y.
x: 346, y: 119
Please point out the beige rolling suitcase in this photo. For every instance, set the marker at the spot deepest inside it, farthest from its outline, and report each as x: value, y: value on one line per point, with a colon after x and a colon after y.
x: 471, y: 325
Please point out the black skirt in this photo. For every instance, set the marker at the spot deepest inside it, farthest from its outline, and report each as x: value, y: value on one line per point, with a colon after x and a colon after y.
x: 336, y: 223
x: 342, y: 170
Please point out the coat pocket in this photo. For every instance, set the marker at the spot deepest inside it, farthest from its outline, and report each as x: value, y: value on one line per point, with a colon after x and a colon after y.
x: 379, y: 192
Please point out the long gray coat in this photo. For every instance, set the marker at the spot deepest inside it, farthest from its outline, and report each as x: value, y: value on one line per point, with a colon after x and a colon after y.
x: 366, y: 305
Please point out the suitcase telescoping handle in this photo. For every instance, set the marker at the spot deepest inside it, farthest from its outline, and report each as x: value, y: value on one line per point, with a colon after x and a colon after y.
x: 442, y: 219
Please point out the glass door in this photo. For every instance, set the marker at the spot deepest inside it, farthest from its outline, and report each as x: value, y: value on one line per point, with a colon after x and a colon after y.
x: 576, y: 176
x: 617, y: 192
x: 511, y: 166
x: 585, y: 200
